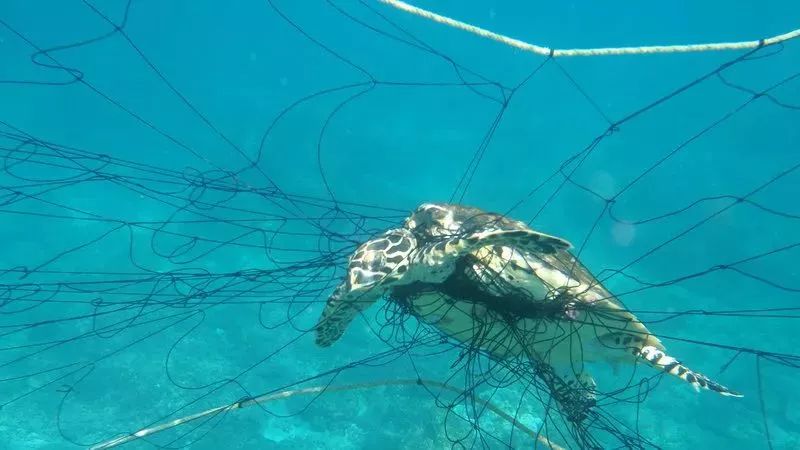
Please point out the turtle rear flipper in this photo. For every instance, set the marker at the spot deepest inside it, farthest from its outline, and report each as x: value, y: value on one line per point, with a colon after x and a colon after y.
x: 659, y: 360
x: 376, y: 266
x: 574, y: 392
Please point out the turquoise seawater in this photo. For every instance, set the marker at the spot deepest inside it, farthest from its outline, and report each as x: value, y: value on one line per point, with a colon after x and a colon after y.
x: 181, y: 182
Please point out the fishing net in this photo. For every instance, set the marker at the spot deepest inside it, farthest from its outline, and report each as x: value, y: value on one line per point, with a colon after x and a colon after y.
x: 182, y: 185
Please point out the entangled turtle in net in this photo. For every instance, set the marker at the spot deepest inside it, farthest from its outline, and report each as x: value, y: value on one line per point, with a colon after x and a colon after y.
x: 406, y: 255
x: 505, y: 289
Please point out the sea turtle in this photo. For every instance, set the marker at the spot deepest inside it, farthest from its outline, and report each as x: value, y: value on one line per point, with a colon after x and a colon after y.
x: 413, y: 254
x: 493, y: 282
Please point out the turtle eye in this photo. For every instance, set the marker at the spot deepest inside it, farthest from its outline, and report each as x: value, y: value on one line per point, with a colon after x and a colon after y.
x: 438, y: 215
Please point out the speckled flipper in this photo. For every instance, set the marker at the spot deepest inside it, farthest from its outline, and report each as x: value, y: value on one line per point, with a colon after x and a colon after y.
x: 435, y: 261
x: 521, y: 240
x: 375, y: 266
x: 574, y: 392
x: 659, y: 360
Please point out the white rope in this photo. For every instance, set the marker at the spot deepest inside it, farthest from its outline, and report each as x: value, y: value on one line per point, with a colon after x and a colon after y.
x: 545, y: 51
x: 125, y: 439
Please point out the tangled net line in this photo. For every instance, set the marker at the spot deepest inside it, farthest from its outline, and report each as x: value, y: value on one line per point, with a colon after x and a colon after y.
x: 69, y: 325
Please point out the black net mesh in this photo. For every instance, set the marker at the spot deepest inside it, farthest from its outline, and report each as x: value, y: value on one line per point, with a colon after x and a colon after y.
x: 182, y: 186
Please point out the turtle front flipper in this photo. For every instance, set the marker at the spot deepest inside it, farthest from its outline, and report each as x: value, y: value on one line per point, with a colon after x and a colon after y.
x: 436, y: 260
x: 660, y: 360
x: 521, y: 240
x: 376, y: 266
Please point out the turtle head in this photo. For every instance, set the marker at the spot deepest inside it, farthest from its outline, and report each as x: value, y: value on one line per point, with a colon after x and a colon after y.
x: 432, y: 220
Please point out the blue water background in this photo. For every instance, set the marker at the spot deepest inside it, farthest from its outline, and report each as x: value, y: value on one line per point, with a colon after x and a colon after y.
x: 241, y: 64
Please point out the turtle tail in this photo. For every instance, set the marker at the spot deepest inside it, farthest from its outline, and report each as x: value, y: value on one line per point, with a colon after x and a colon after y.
x: 661, y: 361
